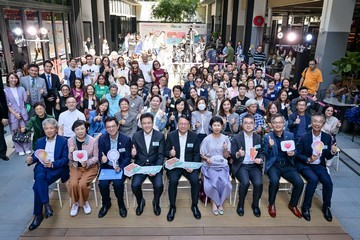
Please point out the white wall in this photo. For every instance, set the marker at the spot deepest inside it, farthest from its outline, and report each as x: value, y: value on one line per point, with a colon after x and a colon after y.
x: 143, y: 11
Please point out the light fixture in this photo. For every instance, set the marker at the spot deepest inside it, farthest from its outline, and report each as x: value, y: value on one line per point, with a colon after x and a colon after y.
x: 32, y: 30
x: 17, y: 31
x: 309, y: 37
x: 291, y: 37
x: 43, y: 31
x: 280, y: 35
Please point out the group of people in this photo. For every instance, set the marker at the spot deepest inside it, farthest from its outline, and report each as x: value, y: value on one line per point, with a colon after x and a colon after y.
x: 229, y: 118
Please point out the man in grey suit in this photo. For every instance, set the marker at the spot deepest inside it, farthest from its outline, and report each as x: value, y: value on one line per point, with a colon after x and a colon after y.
x: 148, y: 150
x: 247, y: 166
x: 35, y: 87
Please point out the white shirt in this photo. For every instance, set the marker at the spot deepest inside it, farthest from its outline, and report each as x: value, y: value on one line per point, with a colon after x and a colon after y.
x: 145, y: 68
x: 147, y: 138
x: 316, y: 138
x: 67, y: 119
x: 248, y: 144
x: 123, y: 90
x: 93, y: 69
x: 182, y: 141
x: 50, y: 148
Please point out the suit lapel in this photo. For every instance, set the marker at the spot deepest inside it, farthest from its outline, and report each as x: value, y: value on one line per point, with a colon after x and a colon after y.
x: 176, y: 142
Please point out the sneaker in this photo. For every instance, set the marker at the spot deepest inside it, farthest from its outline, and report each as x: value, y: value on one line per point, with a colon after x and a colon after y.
x: 74, y: 209
x: 21, y: 153
x: 87, y: 208
x: 28, y: 152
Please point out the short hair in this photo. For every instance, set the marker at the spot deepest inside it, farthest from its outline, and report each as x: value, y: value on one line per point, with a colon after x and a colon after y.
x: 258, y: 69
x: 184, y: 117
x: 249, y: 116
x: 216, y: 119
x: 134, y: 84
x: 48, y: 61
x: 146, y: 115
x: 110, y: 119
x: 124, y: 100
x: 88, y: 55
x: 33, y: 65
x: 270, y: 80
x: 152, y: 97
x: 300, y: 100
x: 113, y: 85
x: 48, y: 121
x: 8, y: 78
x: 177, y: 87
x: 302, y: 88
x: 67, y: 86
x: 39, y: 104
x: 313, y: 60
x: 259, y: 86
x: 78, y: 123
x: 276, y: 115
x: 242, y: 85
x: 318, y: 115
x: 251, y: 101
x: 198, y: 100
x: 69, y: 98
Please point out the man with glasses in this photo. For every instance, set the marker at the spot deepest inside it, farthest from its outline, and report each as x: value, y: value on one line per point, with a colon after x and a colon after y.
x: 90, y: 71
x: 311, y: 77
x: 184, y: 145
x: 67, y: 118
x: 262, y: 102
x: 246, y: 167
x: 279, y: 164
x: 251, y: 106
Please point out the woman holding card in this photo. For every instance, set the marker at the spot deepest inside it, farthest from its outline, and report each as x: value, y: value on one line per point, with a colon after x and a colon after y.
x: 97, y: 118
x: 214, y: 150
x: 83, y: 161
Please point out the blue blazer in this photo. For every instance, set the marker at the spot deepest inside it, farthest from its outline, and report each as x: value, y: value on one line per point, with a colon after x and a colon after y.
x: 304, y: 149
x: 294, y: 127
x: 266, y: 103
x: 167, y: 93
x: 124, y: 146
x: 96, y: 127
x: 271, y: 154
x: 61, y: 161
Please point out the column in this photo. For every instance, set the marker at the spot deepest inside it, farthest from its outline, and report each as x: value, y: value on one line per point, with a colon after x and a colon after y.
x: 333, y: 36
x: 234, y: 22
x: 224, y: 21
x: 107, y: 26
x: 248, y: 27
x: 77, y: 32
x: 95, y: 23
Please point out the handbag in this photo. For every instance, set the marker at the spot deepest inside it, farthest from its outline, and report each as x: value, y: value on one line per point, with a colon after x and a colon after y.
x: 20, y: 137
x: 202, y: 194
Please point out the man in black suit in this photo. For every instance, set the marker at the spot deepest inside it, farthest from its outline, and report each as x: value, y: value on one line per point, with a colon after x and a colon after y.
x: 4, y: 111
x: 183, y: 145
x: 52, y: 85
x: 311, y: 164
x: 244, y: 167
x: 148, y: 150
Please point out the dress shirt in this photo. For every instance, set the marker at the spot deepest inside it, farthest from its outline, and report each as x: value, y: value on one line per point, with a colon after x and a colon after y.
x: 147, y: 138
x: 182, y: 141
x: 316, y: 138
x: 248, y: 144
x: 50, y: 148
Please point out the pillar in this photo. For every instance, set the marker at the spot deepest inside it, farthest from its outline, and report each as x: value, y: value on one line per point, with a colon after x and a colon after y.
x: 108, y: 23
x: 77, y: 32
x: 234, y: 22
x: 95, y: 23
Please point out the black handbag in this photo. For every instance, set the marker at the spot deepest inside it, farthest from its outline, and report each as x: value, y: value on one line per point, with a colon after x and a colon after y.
x: 20, y: 137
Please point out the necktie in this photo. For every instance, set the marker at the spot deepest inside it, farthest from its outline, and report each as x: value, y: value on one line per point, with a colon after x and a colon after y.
x: 33, y: 82
x: 49, y: 82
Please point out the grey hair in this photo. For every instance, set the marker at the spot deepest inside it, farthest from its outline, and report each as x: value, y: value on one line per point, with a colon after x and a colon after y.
x: 318, y: 115
x: 113, y: 85
x: 51, y: 121
x: 251, y: 101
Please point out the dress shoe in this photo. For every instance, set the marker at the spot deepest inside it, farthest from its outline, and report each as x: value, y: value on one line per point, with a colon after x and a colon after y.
x: 240, y: 210
x: 36, y: 222
x: 256, y: 211
x: 48, y: 210
x: 140, y: 207
x: 306, y: 214
x: 171, y: 214
x: 196, y: 212
x: 123, y: 212
x: 156, y: 208
x: 5, y: 158
x: 103, y: 211
x: 327, y: 214
x: 295, y: 211
x: 272, y: 211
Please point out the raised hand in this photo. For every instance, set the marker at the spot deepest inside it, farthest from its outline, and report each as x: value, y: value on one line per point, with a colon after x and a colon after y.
x: 271, y: 142
x: 241, y: 152
x: 338, y: 125
x: 133, y: 151
x: 104, y: 158
x: 172, y: 117
x: 334, y: 148
x: 297, y: 120
x: 173, y: 152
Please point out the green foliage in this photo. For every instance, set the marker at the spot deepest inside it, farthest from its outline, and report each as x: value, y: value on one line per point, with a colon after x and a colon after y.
x: 175, y: 10
x: 349, y: 65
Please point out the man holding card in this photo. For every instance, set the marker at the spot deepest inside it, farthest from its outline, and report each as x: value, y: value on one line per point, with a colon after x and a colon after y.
x: 183, y: 145
x: 148, y: 150
x: 247, y: 153
x: 51, y: 158
x: 314, y: 148
x: 114, y: 154
x: 280, y: 163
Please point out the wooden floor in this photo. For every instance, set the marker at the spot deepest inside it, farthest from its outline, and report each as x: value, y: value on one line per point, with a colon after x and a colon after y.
x: 185, y: 226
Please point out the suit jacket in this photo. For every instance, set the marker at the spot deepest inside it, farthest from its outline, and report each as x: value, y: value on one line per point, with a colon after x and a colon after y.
x: 304, y: 149
x: 294, y: 127
x: 192, y: 146
x: 266, y: 103
x: 55, y: 81
x: 271, y: 154
x: 4, y: 111
x: 61, y: 161
x: 155, y: 156
x: 166, y: 93
x: 237, y: 142
x: 124, y: 145
x: 310, y: 104
x: 40, y: 84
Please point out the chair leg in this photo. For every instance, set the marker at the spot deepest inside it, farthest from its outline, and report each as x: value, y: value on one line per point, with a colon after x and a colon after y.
x: 206, y: 199
x: 95, y: 194
x: 236, y: 193
x: 337, y: 161
x: 126, y: 196
x: 59, y: 193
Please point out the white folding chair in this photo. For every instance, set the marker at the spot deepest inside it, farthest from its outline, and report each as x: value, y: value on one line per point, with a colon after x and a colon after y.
x: 237, y: 191
x: 57, y: 188
x: 206, y: 199
x: 150, y: 189
x: 93, y: 188
x: 183, y: 184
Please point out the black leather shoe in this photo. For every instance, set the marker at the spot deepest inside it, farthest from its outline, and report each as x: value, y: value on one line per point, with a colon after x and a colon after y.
x: 48, y: 210
x: 103, y: 211
x: 6, y: 158
x: 171, y: 214
x: 36, y: 222
x: 196, y: 212
x: 256, y: 211
x: 156, y: 208
x: 240, y: 210
x: 306, y: 214
x: 123, y: 212
x: 140, y: 207
x: 327, y: 214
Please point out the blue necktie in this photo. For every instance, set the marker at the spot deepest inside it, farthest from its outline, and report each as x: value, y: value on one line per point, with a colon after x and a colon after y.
x: 49, y: 82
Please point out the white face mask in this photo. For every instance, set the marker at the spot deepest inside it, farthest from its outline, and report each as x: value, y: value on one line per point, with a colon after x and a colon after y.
x: 201, y: 106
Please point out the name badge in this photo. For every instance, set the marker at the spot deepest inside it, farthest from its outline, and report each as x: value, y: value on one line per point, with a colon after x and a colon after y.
x: 201, y: 90
x: 289, y: 93
x: 309, y: 126
x: 166, y: 95
x: 325, y: 147
x: 272, y: 95
x: 132, y: 105
x: 121, y: 150
x: 155, y: 144
x: 172, y: 105
x: 257, y: 146
x: 308, y: 104
x: 190, y: 145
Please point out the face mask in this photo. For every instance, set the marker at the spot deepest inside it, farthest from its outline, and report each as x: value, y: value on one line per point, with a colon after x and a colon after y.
x: 201, y: 106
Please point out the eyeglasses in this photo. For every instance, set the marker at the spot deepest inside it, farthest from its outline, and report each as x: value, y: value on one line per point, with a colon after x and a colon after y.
x: 111, y: 127
x: 248, y: 123
x: 183, y: 124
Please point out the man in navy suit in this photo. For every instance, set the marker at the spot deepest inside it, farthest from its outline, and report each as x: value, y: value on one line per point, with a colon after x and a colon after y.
x: 148, y: 150
x: 52, y: 85
x: 47, y: 171
x: 183, y: 145
x: 311, y: 164
x: 300, y: 121
x: 113, y: 139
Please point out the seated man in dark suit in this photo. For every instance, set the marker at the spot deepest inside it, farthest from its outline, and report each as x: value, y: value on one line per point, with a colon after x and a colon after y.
x: 183, y: 145
x: 244, y: 167
x: 281, y: 164
x: 52, y: 168
x: 148, y: 150
x: 311, y: 164
x: 113, y: 139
